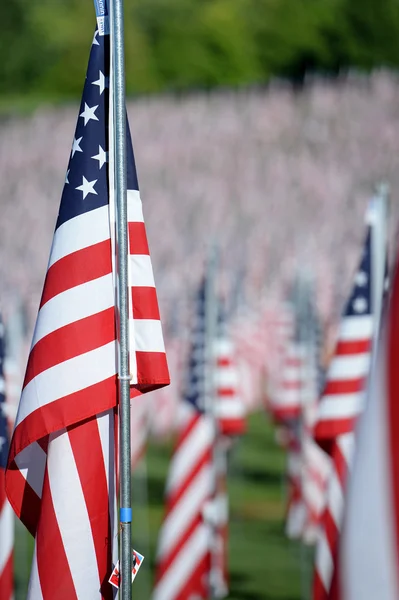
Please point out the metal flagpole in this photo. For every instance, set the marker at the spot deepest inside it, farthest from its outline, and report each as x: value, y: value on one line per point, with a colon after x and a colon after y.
x: 210, y: 335
x: 118, y: 92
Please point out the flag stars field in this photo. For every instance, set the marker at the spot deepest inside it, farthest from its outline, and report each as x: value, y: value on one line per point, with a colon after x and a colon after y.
x: 361, y: 279
x: 101, y: 157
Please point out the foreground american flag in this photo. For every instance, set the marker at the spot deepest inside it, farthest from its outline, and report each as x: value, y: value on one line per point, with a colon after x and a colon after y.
x: 61, y: 468
x: 340, y: 406
x: 369, y: 547
x: 183, y: 554
x: 6, y: 514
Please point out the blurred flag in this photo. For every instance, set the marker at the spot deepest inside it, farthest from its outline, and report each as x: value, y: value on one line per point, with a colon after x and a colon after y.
x: 369, y: 548
x: 6, y: 514
x: 229, y: 407
x: 341, y: 404
x: 61, y: 467
x: 183, y: 554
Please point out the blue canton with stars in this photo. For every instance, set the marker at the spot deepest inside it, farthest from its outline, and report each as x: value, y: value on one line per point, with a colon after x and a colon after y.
x: 360, y: 301
x: 3, y: 419
x: 86, y: 181
x: 195, y: 385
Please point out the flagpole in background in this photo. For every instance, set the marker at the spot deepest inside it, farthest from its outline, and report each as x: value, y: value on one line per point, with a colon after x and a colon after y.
x: 211, y: 316
x: 118, y: 92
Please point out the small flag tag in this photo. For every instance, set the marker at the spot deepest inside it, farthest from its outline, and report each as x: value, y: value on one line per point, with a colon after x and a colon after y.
x: 137, y: 560
x: 102, y: 17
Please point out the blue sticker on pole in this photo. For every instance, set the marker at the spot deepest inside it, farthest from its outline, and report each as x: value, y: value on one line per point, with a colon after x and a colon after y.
x: 125, y: 515
x: 102, y: 16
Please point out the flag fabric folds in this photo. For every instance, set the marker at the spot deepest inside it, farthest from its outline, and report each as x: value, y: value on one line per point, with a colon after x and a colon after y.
x: 6, y: 514
x: 183, y: 553
x: 61, y: 478
x: 340, y: 406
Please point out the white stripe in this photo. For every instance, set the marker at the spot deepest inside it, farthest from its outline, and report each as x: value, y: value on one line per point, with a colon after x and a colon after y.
x: 34, y: 590
x: 6, y: 533
x: 349, y: 367
x: 148, y: 335
x: 223, y: 347
x: 66, y: 378
x: 80, y: 232
x: 74, y: 304
x: 185, y: 563
x: 289, y: 398
x: 190, y: 505
x: 230, y: 408
x: 226, y: 377
x: 356, y: 328
x: 141, y: 274
x: 134, y: 207
x: 72, y: 516
x: 324, y: 561
x: 31, y: 462
x: 188, y: 453
x: 293, y: 374
x: 342, y: 406
x: 346, y: 444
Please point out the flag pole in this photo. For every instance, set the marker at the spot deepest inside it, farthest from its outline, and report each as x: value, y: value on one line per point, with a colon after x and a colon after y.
x: 118, y: 93
x: 210, y: 335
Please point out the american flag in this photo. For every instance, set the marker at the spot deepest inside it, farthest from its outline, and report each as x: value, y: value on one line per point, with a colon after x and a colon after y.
x: 229, y: 406
x: 339, y: 409
x: 60, y: 478
x: 368, y: 555
x: 183, y: 555
x: 6, y: 514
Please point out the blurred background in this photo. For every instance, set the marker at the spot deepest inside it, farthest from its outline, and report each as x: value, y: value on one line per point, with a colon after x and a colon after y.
x: 263, y: 125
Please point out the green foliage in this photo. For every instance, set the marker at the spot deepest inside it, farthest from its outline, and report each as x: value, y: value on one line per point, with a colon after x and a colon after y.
x: 185, y: 44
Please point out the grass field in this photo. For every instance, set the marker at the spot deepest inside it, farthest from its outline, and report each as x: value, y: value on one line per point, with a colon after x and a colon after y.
x: 264, y: 565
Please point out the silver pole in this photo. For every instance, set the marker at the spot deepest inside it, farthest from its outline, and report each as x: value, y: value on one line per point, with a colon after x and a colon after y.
x: 118, y: 91
x: 210, y: 336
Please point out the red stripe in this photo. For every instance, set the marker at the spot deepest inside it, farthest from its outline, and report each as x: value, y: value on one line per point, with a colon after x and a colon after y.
x: 287, y: 413
x: 355, y: 347
x: 70, y: 341
x: 77, y: 268
x: 327, y: 431
x: 7, y: 580
x: 145, y: 303
x: 226, y: 392
x: 63, y: 412
x: 52, y: 563
x: 232, y: 426
x: 292, y: 385
x: 138, y: 238
x: 25, y: 502
x: 152, y: 370
x: 319, y: 592
x: 224, y: 361
x: 93, y: 478
x: 392, y: 412
x: 186, y: 431
x: 349, y: 386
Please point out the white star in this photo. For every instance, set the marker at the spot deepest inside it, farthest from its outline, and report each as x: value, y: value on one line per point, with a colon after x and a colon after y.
x: 101, y: 157
x: 361, y: 278
x: 94, y: 42
x: 75, y: 146
x: 66, y: 176
x: 88, y: 113
x: 359, y: 305
x: 2, y: 385
x: 87, y: 187
x: 386, y: 283
x: 101, y: 82
x: 2, y: 442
